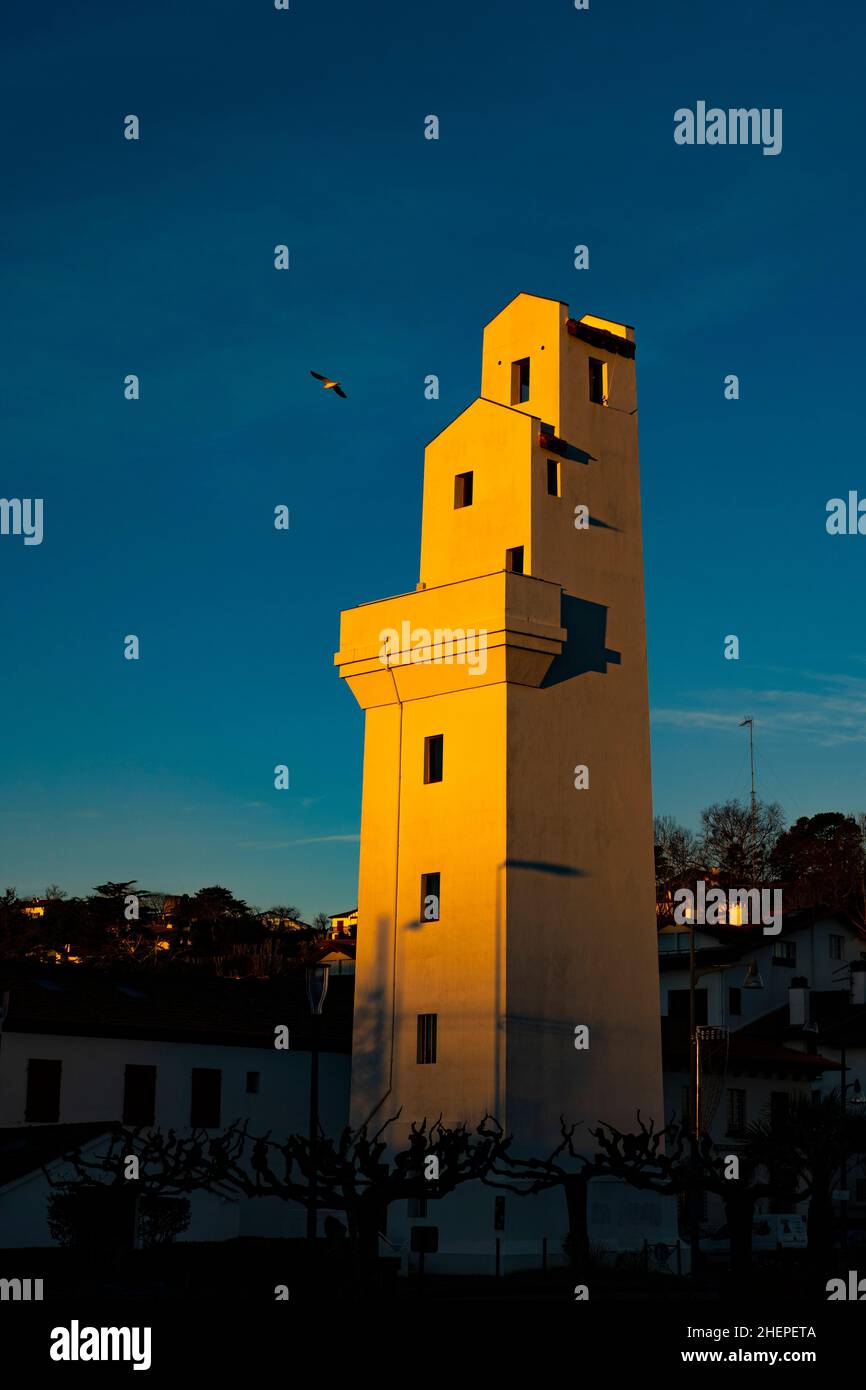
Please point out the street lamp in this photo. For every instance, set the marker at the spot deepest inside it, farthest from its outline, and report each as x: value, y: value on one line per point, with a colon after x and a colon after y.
x: 317, y: 987
x: 752, y: 980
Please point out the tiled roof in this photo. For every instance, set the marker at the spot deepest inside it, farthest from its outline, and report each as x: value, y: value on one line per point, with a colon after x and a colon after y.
x: 173, y: 1005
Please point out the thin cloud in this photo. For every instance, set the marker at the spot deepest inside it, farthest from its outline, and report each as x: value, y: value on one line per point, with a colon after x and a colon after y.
x: 292, y: 844
x: 830, y: 716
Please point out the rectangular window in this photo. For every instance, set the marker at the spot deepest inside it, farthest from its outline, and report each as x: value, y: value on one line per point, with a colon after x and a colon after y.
x: 253, y: 1080
x: 735, y: 1002
x: 430, y: 898
x: 678, y: 1005
x: 42, y: 1103
x: 553, y: 478
x: 514, y: 559
x: 837, y: 947
x: 736, y: 1112
x: 520, y: 381
x: 433, y: 750
x: 780, y: 1106
x: 204, y: 1110
x: 785, y: 953
x: 416, y: 1207
x: 139, y: 1095
x: 463, y: 490
x: 597, y: 381
x: 427, y: 1039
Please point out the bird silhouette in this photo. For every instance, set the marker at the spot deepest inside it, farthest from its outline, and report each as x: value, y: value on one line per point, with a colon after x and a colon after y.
x: 329, y: 384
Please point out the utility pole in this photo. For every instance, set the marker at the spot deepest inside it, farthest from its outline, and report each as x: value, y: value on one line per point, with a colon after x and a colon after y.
x: 751, y: 723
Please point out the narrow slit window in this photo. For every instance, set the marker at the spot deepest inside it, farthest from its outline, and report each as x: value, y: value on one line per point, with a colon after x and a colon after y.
x: 463, y: 490
x: 514, y: 559
x: 427, y: 1031
x: 520, y: 381
x: 433, y: 750
x: 553, y: 478
x: 253, y: 1082
x: 430, y: 900
x: 597, y: 381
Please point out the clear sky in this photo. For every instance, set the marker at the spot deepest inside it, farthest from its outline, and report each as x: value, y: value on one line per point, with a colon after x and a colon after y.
x: 305, y: 127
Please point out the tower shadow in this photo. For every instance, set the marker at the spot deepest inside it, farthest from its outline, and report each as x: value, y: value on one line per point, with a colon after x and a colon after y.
x: 585, y: 649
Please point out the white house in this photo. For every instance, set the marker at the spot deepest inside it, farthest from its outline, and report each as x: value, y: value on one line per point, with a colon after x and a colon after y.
x: 80, y: 1050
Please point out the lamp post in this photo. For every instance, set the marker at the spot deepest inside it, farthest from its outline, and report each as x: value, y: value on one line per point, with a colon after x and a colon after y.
x: 752, y: 980
x: 317, y: 988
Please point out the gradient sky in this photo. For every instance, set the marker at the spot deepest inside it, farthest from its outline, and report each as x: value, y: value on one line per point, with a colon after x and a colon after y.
x: 261, y: 127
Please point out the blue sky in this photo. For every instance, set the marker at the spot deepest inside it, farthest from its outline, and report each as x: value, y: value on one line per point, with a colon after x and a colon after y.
x: 261, y: 127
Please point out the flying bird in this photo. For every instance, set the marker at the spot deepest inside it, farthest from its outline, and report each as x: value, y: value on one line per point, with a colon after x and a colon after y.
x: 329, y: 385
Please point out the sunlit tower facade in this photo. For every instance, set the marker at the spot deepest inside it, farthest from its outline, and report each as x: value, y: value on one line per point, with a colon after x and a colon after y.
x: 506, y: 893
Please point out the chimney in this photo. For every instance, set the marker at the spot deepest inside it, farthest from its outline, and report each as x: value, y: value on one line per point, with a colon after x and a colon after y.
x: 798, y: 1002
x: 858, y: 982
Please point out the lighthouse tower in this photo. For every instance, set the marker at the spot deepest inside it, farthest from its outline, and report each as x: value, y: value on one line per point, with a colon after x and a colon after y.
x: 506, y: 924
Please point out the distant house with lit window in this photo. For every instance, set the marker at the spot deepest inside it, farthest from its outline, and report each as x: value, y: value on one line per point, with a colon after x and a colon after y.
x: 281, y: 921
x: 344, y: 923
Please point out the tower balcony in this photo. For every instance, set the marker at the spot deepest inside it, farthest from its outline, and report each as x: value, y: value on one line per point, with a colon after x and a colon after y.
x: 482, y: 631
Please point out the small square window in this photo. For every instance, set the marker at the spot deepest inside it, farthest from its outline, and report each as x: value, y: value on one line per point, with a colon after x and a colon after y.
x: 253, y: 1080
x: 430, y: 902
x: 520, y: 381
x: 427, y: 1030
x: 597, y: 381
x: 463, y: 490
x: 514, y: 560
x: 553, y: 478
x: 433, y: 749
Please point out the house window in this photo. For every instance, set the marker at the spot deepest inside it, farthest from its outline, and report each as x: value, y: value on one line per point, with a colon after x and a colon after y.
x: 785, y: 953
x: 553, y: 478
x: 427, y: 1038
x: 780, y: 1107
x: 514, y: 559
x: 139, y: 1095
x: 735, y: 1002
x: 204, y: 1110
x: 736, y: 1112
x: 416, y: 1206
x: 463, y: 490
x: 597, y: 381
x: 253, y: 1080
x: 433, y: 749
x: 520, y: 381
x: 837, y: 947
x: 678, y: 1005
x: 430, y: 897
x: 42, y: 1103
